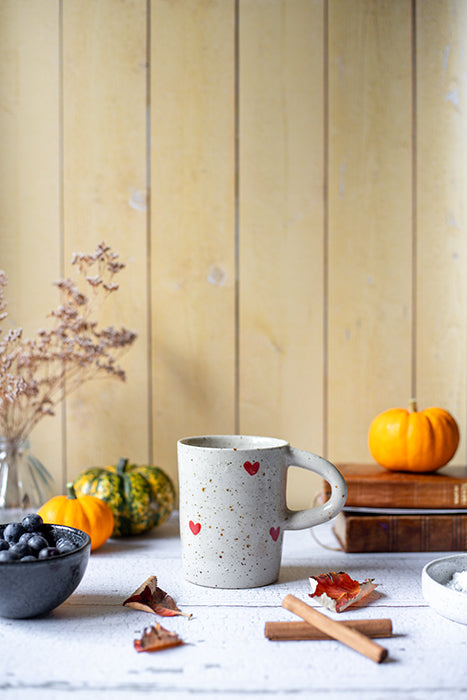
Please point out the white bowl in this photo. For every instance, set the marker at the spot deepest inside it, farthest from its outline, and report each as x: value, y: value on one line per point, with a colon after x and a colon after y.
x: 447, y: 602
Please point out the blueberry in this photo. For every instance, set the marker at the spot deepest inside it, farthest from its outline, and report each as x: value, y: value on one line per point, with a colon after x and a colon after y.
x: 32, y: 522
x: 28, y: 557
x: 65, y: 546
x: 8, y: 555
x: 36, y: 543
x: 13, y: 532
x: 26, y: 536
x: 48, y: 552
x: 21, y: 549
x: 3, y: 544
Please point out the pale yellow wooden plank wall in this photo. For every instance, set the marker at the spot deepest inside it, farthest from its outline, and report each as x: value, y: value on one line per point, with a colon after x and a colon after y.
x: 281, y: 217
x: 193, y: 274
x: 441, y: 207
x: 369, y: 309
x: 104, y: 198
x: 30, y: 188
x: 285, y: 180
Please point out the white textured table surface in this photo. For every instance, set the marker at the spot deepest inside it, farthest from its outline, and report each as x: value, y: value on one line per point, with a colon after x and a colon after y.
x: 85, y: 647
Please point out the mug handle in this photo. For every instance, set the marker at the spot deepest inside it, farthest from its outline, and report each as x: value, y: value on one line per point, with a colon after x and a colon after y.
x: 303, y: 519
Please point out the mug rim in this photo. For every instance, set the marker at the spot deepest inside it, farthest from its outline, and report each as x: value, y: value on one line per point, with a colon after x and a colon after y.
x: 233, y: 442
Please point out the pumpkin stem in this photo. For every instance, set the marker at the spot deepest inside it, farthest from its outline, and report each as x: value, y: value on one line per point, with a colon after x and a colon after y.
x: 71, y: 490
x: 413, y: 406
x: 122, y: 464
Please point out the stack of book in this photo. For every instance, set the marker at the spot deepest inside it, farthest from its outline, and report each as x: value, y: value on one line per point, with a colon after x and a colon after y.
x: 401, y: 512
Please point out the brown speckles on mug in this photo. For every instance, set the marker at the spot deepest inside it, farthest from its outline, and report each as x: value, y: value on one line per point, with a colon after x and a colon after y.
x: 237, y: 498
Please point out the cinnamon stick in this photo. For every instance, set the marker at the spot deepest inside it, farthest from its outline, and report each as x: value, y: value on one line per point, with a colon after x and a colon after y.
x: 337, y: 630
x: 283, y: 631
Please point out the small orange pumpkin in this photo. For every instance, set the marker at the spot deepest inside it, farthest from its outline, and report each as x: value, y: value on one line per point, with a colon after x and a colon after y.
x: 413, y: 441
x: 87, y: 513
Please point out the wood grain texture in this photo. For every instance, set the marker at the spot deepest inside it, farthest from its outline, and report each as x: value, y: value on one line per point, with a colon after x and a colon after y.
x: 281, y: 631
x: 285, y: 180
x: 193, y: 221
x: 372, y: 486
x: 335, y: 629
x: 104, y: 134
x: 370, y: 218
x: 281, y: 223
x: 225, y: 654
x: 401, y: 533
x: 30, y: 181
x: 441, y: 176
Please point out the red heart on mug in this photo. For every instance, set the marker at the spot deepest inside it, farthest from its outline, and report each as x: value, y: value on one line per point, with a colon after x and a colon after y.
x: 194, y: 527
x: 251, y: 468
x: 275, y: 532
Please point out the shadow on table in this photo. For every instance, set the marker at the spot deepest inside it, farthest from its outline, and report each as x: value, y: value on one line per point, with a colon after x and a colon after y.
x: 81, y: 605
x: 300, y: 572
x: 167, y: 531
x: 120, y: 544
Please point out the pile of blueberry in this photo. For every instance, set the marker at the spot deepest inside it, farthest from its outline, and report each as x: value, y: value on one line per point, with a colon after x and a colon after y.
x: 30, y: 540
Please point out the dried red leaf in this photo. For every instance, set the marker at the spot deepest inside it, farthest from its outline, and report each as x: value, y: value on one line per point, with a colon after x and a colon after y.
x: 336, y: 591
x: 157, y: 638
x: 150, y: 598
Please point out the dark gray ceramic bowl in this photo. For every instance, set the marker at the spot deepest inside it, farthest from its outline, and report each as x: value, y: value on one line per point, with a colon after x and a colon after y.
x: 31, y: 588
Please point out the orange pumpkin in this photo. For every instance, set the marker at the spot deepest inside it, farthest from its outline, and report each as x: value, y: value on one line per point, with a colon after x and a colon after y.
x: 87, y: 513
x: 413, y: 441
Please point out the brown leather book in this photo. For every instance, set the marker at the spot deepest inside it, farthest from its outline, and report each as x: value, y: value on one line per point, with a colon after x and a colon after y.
x: 358, y: 532
x: 370, y: 485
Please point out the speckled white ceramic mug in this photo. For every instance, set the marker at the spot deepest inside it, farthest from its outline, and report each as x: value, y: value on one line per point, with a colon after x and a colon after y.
x: 233, y: 508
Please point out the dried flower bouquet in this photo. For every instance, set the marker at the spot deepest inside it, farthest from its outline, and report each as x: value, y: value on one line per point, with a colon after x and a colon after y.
x: 36, y: 374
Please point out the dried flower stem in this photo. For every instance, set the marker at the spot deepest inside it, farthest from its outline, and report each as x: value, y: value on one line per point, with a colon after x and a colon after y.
x: 37, y: 374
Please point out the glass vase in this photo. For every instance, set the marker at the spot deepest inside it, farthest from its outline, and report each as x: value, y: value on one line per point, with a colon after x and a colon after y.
x: 25, y: 484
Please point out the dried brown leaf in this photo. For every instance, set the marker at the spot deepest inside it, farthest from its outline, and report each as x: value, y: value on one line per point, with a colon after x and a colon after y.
x: 156, y: 638
x: 150, y: 598
x: 337, y: 591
